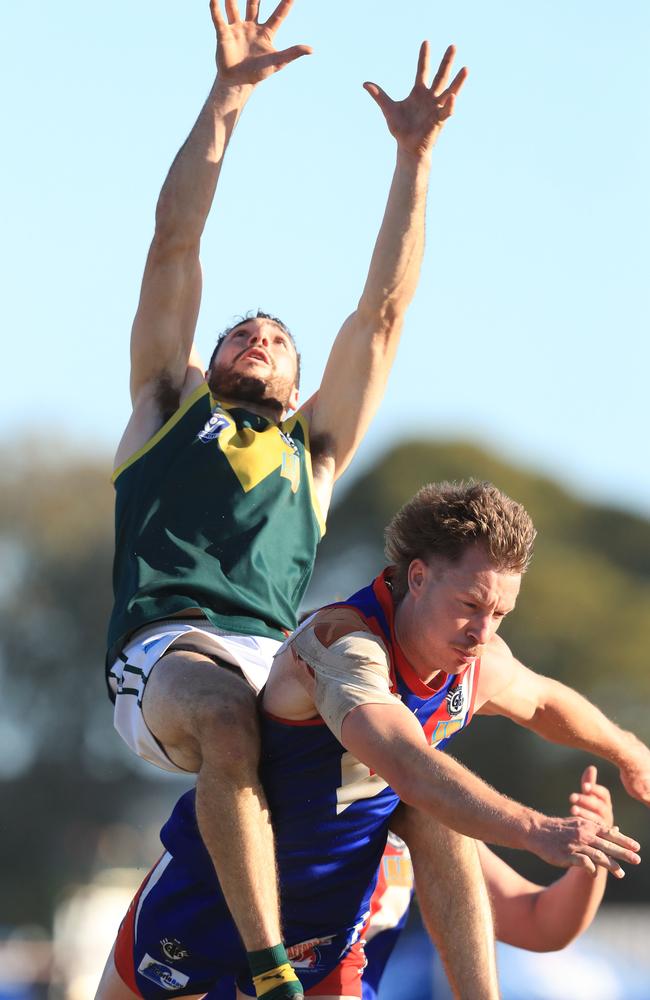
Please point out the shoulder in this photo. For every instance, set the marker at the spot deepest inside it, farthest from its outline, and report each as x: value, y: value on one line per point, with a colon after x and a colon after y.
x: 154, y: 408
x: 338, y: 643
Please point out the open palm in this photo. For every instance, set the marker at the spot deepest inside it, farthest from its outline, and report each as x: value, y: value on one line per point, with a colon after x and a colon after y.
x: 245, y: 50
x: 417, y: 121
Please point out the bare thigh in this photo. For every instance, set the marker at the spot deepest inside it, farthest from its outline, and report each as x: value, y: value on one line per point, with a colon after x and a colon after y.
x: 191, y: 704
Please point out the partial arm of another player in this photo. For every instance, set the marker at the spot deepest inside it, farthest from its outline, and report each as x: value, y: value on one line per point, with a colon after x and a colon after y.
x: 390, y: 741
x: 164, y: 325
x: 356, y: 372
x: 548, y: 918
x: 559, y: 714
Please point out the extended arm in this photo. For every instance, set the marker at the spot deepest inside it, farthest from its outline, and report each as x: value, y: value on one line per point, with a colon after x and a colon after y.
x: 558, y: 713
x: 390, y: 741
x: 164, y: 325
x: 547, y: 918
x: 363, y: 352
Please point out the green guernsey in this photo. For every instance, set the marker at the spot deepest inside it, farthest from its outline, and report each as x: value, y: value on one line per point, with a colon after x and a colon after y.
x: 217, y: 513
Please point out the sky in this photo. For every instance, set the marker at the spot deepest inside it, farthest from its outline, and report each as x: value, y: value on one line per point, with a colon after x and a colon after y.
x: 529, y: 331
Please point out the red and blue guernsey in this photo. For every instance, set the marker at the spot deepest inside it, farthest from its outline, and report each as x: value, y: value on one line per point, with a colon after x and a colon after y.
x: 331, y: 817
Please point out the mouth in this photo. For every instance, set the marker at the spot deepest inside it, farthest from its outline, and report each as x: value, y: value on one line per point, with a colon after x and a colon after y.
x: 256, y: 354
x: 465, y: 655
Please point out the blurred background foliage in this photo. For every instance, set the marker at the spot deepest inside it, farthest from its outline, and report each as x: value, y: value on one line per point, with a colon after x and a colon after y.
x: 73, y: 800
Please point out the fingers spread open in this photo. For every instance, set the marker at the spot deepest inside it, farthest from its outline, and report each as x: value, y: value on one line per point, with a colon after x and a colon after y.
x: 422, y: 74
x: 288, y: 55
x: 278, y: 15
x: 379, y: 95
x: 442, y: 76
x: 217, y: 17
x: 232, y: 11
x: 458, y: 81
x: 252, y: 10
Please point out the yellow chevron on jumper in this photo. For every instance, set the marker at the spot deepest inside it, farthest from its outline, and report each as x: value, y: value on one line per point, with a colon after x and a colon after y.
x: 254, y: 455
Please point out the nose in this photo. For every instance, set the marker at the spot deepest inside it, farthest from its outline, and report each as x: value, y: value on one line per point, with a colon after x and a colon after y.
x: 479, y: 629
x: 258, y: 337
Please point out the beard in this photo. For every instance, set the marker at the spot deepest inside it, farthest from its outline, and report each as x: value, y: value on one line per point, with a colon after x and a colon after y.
x: 272, y: 393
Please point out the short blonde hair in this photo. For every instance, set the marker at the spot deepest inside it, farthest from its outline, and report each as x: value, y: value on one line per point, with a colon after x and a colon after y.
x: 445, y: 519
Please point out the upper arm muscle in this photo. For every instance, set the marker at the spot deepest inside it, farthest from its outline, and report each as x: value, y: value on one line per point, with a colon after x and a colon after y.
x: 163, y: 329
x: 352, y: 387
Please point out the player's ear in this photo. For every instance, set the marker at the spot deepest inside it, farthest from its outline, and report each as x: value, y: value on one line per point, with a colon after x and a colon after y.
x: 416, y: 576
x: 292, y: 403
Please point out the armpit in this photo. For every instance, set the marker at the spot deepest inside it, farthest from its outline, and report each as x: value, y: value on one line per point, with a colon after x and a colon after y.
x: 352, y: 670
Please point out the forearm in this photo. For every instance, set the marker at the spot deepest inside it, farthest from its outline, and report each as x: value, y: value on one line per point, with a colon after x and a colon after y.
x: 397, y: 257
x: 566, y: 717
x: 463, y: 801
x: 565, y: 909
x: 188, y: 191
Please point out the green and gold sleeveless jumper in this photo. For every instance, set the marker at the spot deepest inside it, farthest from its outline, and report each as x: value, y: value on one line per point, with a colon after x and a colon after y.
x: 216, y: 512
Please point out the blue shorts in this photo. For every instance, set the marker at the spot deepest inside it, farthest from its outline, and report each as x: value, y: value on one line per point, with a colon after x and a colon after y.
x: 178, y: 939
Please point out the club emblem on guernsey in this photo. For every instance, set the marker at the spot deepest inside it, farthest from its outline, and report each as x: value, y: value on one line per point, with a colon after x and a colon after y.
x: 213, y: 428
x: 306, y: 954
x: 161, y: 974
x: 456, y: 700
x: 173, y: 949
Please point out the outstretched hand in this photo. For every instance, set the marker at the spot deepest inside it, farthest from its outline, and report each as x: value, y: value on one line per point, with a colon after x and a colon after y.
x: 416, y: 122
x: 245, y: 50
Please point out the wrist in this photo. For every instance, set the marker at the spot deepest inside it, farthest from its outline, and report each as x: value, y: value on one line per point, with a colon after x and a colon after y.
x: 416, y: 160
x: 230, y: 91
x: 626, y: 749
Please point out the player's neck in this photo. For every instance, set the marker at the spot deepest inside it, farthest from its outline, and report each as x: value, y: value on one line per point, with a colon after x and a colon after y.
x: 268, y: 412
x: 407, y: 636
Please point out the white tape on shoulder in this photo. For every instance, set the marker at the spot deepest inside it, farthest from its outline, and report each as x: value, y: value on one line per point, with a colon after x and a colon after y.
x: 353, y: 671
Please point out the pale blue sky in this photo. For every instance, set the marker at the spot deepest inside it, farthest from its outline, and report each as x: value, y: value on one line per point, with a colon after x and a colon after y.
x: 530, y: 327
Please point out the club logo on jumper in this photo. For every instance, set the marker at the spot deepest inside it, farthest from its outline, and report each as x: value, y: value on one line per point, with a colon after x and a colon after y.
x: 173, y: 949
x: 213, y: 428
x: 161, y: 974
x: 291, y: 470
x: 456, y: 700
x: 306, y: 954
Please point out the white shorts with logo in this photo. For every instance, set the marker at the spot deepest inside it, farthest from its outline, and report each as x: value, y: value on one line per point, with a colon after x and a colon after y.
x: 128, y: 676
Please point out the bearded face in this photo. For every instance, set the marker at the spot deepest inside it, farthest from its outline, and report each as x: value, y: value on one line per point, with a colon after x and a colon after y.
x: 256, y: 363
x: 236, y: 387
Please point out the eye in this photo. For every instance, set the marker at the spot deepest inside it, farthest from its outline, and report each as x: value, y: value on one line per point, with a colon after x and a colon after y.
x: 469, y: 604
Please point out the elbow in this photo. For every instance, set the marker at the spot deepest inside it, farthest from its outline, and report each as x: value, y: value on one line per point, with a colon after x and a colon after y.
x: 175, y: 232
x: 383, y: 320
x: 411, y: 792
x: 552, y: 941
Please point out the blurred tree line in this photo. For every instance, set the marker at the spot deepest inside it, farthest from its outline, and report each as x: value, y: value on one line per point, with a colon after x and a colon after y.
x: 72, y: 799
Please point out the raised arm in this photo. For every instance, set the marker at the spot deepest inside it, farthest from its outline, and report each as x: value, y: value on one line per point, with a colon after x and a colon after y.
x: 363, y: 352
x: 390, y: 742
x: 558, y: 713
x: 163, y: 331
x: 547, y: 918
